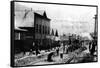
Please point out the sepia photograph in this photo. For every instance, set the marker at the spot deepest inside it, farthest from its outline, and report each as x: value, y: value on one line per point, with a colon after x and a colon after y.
x: 53, y: 33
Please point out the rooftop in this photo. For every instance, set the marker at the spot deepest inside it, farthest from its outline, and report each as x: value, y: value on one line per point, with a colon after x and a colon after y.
x: 25, y: 18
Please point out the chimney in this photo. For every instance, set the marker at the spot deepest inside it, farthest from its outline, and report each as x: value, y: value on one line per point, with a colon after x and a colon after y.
x: 31, y: 9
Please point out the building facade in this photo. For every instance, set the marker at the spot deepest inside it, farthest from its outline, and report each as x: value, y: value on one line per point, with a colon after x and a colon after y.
x: 34, y: 28
x: 42, y: 29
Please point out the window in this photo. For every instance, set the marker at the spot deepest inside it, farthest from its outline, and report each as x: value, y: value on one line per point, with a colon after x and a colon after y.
x: 37, y: 28
x: 43, y: 29
x: 48, y: 30
x: 17, y: 36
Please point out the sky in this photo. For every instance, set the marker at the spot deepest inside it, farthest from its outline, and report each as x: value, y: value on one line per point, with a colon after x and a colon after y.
x: 65, y: 18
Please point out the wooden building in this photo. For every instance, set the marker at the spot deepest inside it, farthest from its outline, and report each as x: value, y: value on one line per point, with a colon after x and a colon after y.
x: 33, y: 27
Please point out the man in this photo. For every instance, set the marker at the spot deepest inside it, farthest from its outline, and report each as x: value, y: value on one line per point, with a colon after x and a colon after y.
x: 37, y: 49
x: 92, y: 45
x: 57, y: 51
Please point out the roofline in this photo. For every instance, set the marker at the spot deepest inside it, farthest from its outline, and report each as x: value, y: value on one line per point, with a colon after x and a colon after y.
x: 42, y: 16
x: 20, y: 30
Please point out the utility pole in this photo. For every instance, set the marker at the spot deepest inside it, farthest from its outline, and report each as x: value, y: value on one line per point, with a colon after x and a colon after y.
x: 94, y: 41
x: 95, y: 26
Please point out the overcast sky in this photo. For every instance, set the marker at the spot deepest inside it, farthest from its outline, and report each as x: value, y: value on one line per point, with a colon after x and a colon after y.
x: 66, y: 18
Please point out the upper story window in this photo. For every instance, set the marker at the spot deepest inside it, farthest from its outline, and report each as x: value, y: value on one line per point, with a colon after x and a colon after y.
x: 40, y: 29
x: 43, y: 29
x: 37, y: 27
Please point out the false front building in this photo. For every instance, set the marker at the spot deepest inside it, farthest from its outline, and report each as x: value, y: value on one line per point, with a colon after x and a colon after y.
x: 32, y: 27
x: 42, y: 29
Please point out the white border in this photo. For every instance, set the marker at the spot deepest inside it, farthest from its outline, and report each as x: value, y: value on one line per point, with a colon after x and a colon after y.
x: 5, y: 34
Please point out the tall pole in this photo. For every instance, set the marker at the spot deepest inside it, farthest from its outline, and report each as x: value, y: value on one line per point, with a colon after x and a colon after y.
x: 95, y: 26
